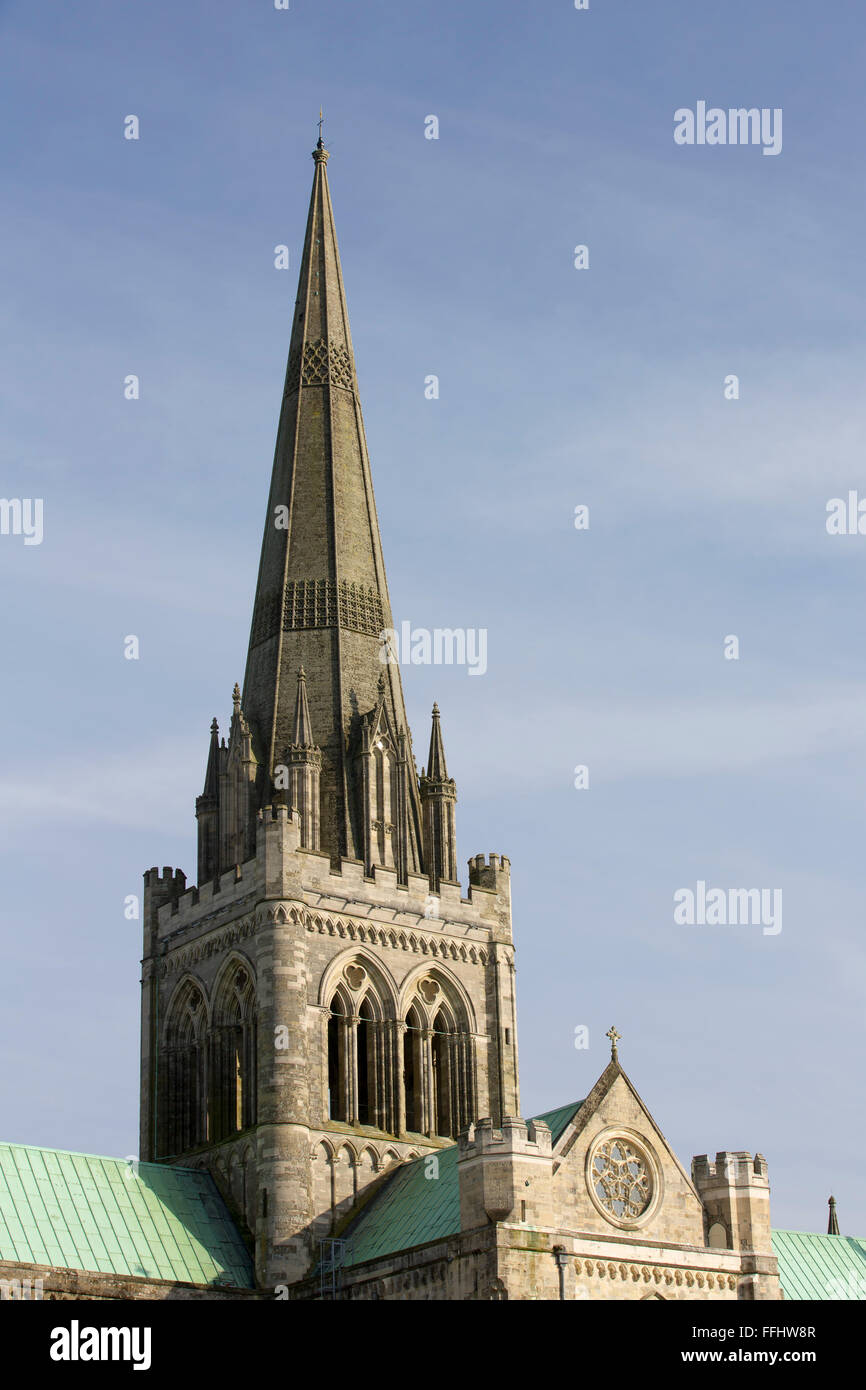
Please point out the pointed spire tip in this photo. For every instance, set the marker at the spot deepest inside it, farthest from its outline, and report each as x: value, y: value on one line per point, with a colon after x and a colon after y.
x: 302, y: 736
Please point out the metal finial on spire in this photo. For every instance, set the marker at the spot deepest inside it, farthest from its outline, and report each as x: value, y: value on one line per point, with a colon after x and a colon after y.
x: 320, y: 154
x: 614, y: 1039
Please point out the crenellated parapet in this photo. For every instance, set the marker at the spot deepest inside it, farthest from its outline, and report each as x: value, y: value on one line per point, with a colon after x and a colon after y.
x: 346, y: 897
x: 505, y: 1173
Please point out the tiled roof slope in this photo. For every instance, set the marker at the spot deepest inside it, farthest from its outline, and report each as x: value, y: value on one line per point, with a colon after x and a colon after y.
x: 78, y: 1211
x: 820, y: 1266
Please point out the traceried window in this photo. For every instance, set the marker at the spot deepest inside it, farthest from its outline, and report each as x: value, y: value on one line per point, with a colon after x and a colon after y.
x: 621, y: 1179
x: 232, y: 1063
x: 183, y: 1117
x: 206, y: 1074
x: 358, y: 1063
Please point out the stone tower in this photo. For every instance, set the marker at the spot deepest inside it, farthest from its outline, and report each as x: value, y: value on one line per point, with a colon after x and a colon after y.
x: 325, y: 1002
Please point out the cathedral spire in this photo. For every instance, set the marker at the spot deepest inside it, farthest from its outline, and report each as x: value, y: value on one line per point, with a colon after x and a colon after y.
x: 322, y: 598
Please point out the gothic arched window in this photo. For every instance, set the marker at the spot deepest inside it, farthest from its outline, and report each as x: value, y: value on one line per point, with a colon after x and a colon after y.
x: 337, y: 1087
x: 366, y: 1064
x: 233, y: 1054
x: 183, y: 1077
x: 443, y: 1109
x: 438, y: 1059
x: 413, y: 1072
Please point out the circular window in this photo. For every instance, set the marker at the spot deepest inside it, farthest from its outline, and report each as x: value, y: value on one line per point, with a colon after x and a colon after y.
x: 620, y: 1176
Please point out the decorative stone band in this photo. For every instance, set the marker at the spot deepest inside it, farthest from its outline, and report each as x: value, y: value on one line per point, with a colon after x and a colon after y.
x: 655, y: 1274
x: 398, y: 938
x: 322, y: 364
x: 310, y: 603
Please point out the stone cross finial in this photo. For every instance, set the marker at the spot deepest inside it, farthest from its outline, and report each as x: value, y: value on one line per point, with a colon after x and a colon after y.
x: 614, y: 1039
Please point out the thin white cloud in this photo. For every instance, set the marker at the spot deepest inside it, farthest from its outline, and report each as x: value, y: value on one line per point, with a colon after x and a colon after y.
x: 150, y: 788
x: 621, y: 739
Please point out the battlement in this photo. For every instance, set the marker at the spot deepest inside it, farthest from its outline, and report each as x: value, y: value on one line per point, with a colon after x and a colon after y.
x: 492, y: 873
x: 282, y: 869
x: 292, y: 871
x: 166, y: 886
x: 514, y: 1136
x: 206, y: 892
x: 736, y: 1168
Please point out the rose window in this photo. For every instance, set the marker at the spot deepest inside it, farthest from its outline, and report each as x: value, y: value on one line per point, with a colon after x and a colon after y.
x: 621, y: 1179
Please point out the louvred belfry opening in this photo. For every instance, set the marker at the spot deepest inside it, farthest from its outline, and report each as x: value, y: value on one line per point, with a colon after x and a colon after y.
x: 322, y: 599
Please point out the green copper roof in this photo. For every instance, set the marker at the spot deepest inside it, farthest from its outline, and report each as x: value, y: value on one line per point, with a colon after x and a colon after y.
x: 820, y: 1266
x: 420, y: 1202
x: 558, y: 1121
x: 77, y: 1211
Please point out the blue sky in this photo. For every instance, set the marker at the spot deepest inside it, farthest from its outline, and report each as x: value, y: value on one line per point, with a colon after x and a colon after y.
x: 557, y: 387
